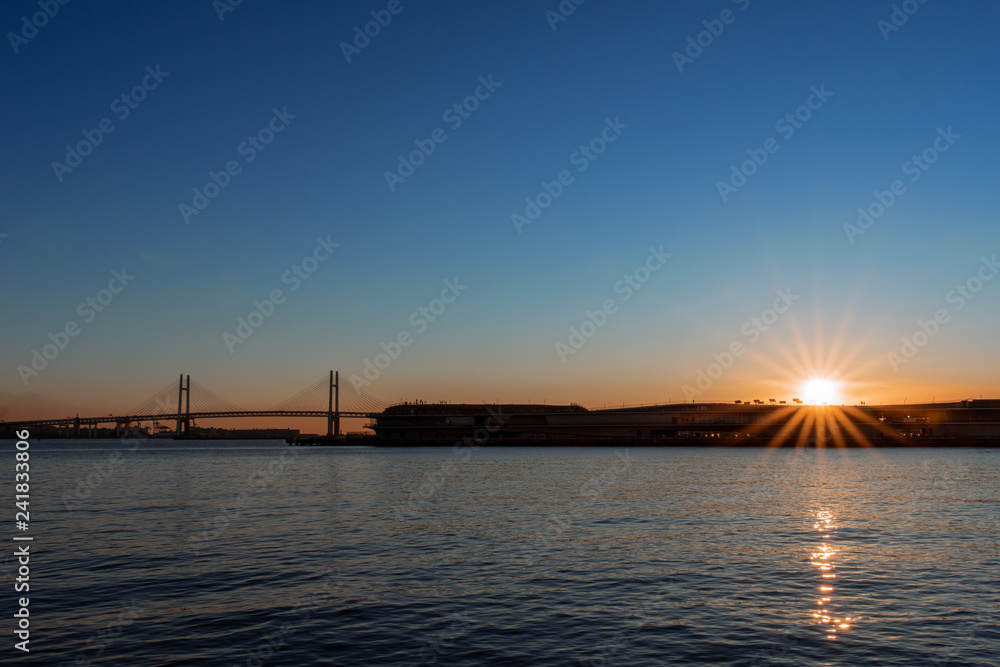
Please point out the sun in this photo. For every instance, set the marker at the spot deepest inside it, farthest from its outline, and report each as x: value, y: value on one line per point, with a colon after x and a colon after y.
x: 821, y: 390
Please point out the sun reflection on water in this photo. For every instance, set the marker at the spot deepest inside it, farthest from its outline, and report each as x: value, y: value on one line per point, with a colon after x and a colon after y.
x: 823, y: 561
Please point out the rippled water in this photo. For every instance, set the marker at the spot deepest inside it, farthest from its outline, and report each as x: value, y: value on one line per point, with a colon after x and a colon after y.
x: 256, y: 553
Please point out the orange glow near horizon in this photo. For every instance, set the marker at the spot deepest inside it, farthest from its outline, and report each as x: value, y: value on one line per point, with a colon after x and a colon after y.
x: 825, y: 371
x: 821, y: 373
x: 842, y: 369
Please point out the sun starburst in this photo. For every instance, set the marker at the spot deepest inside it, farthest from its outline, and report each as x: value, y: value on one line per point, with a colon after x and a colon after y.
x: 821, y: 390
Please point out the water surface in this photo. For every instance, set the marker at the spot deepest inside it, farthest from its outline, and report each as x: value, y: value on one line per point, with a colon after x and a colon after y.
x: 206, y: 553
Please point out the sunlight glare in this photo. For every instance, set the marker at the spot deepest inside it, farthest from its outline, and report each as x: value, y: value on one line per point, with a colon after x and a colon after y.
x: 821, y: 390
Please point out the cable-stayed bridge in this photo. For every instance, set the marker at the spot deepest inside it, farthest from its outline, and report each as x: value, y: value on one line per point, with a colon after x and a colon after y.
x: 184, y: 401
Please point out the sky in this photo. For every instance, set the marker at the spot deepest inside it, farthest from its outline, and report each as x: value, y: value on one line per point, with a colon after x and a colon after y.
x: 601, y: 203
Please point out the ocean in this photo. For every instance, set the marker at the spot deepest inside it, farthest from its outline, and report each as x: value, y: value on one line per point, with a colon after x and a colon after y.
x: 156, y: 552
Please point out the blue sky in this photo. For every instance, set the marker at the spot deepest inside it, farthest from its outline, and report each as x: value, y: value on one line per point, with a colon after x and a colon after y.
x: 324, y: 176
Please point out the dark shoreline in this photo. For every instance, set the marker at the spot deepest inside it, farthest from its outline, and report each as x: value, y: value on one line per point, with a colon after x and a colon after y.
x: 913, y: 442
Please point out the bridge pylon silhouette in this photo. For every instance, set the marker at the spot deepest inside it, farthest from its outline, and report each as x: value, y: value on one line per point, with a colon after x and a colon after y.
x: 196, y: 401
x: 184, y: 404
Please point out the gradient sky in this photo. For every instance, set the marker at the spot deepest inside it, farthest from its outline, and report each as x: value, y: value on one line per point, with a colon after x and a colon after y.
x: 655, y: 185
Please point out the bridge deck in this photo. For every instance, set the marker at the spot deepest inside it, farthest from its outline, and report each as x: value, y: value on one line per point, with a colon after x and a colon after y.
x: 173, y: 416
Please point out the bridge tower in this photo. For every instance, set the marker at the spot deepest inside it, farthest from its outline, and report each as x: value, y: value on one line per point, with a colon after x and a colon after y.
x: 333, y: 405
x: 183, y: 416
